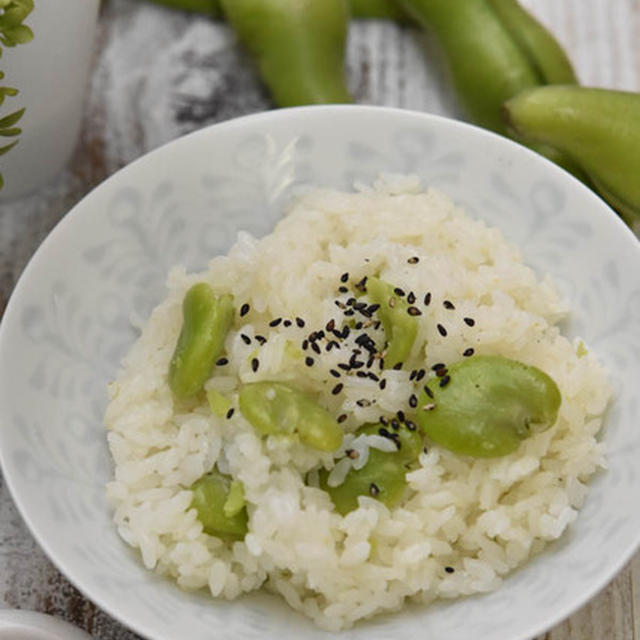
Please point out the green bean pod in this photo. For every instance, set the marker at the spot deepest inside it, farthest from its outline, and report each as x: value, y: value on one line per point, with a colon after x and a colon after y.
x: 280, y: 409
x: 487, y: 405
x: 486, y: 64
x: 207, y: 7
x: 206, y: 321
x: 219, y: 502
x: 383, y: 476
x: 541, y: 48
x: 298, y: 45
x: 597, y: 128
x: 399, y: 326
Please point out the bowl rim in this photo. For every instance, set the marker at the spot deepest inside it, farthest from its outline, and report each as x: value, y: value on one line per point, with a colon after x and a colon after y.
x: 265, y: 117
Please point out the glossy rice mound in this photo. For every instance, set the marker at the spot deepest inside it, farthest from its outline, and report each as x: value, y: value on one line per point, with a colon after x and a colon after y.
x: 463, y: 524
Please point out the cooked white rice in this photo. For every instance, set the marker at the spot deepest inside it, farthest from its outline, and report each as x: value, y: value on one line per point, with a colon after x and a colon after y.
x: 479, y: 517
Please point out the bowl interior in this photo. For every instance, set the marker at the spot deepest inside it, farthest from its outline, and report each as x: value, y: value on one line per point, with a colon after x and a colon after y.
x: 69, y: 322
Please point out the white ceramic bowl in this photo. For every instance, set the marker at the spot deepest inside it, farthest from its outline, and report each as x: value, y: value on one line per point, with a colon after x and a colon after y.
x: 67, y: 326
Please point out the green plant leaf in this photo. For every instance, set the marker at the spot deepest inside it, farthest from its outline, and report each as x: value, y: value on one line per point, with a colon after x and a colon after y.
x: 8, y: 147
x: 10, y: 132
x: 1, y: 182
x: 7, y: 91
x: 11, y: 119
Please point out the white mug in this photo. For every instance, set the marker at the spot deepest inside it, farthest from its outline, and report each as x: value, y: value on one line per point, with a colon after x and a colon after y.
x: 51, y: 74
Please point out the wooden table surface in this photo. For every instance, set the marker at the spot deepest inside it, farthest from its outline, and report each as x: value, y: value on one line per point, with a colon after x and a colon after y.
x: 159, y: 74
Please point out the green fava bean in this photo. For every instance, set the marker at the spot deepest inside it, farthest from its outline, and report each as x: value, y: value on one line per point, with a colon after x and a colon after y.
x: 400, y: 328
x: 279, y: 409
x: 220, y: 506
x: 487, y: 406
x: 298, y: 45
x: 383, y: 477
x: 207, y: 319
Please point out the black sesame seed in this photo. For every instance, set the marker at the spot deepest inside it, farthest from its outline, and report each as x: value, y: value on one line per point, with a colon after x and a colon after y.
x: 300, y: 322
x: 358, y: 326
x: 351, y: 301
x: 410, y: 425
x: 343, y: 366
x: 337, y: 389
x: 331, y: 344
x: 383, y: 383
x: 445, y: 381
x: 374, y: 490
x: 469, y: 321
x: 319, y: 334
x: 316, y: 347
x: 383, y: 432
x: 400, y: 414
x: 305, y: 344
x: 331, y: 325
x: 372, y: 376
x: 345, y: 332
x: 244, y: 309
x: 397, y: 366
x: 372, y: 308
x: 344, y: 277
x: 447, y: 304
x: 255, y: 363
x: 420, y: 375
x: 356, y: 364
x: 438, y: 365
x: 414, y: 311
x: 222, y: 361
x: 341, y: 418
x: 363, y: 402
x: 343, y: 289
x: 428, y: 391
x: 411, y: 297
x: 376, y: 326
x: 349, y: 312
x: 468, y: 352
x: 427, y: 299
x: 441, y: 373
x: 395, y: 425
x: 413, y: 401
x: 361, y: 286
x: 309, y: 361
x: 245, y: 338
x: 275, y: 322
x: 287, y: 323
x: 230, y: 413
x: 413, y: 260
x: 441, y: 330
x: 361, y: 374
x: 339, y: 304
x: 334, y: 373
x: 383, y: 420
x: 261, y: 339
x: 370, y: 362
x: 398, y: 291
x: 381, y: 364
x: 413, y: 374
x: 449, y: 569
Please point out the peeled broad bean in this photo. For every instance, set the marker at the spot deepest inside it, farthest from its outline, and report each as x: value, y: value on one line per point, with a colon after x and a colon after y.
x: 280, y: 409
x: 399, y: 326
x: 207, y: 319
x: 220, y: 504
x: 487, y: 405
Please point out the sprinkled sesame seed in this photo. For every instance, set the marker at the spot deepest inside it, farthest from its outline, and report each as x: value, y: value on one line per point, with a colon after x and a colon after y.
x: 230, y: 413
x: 469, y: 321
x: 341, y: 418
x: 438, y: 365
x: 344, y: 277
x: 413, y: 401
x: 331, y: 344
x: 275, y: 322
x: 372, y: 308
x: 441, y: 330
x: 413, y: 260
x: 349, y: 312
x: 445, y: 381
x: 427, y: 299
x: 370, y: 361
x: 361, y: 374
x: 441, y: 373
x: 449, y: 569
x: 363, y: 402
x: 309, y: 361
x: 410, y: 425
x: 383, y: 383
x: 383, y: 420
x: 420, y: 375
x: 245, y: 338
x: 414, y: 311
x: 397, y: 366
x: 395, y: 425
x: 343, y: 289
x: 222, y: 361
x: 398, y: 291
x: 428, y: 391
x: 361, y: 286
x: 337, y: 389
x: 400, y: 414
x: 413, y: 374
x: 334, y: 373
x: 331, y: 325
x: 287, y: 323
x: 447, y: 304
x: 345, y: 332
x: 300, y: 322
x: 244, y: 309
x: 411, y: 297
x: 305, y: 344
x: 374, y: 490
x: 261, y: 339
x: 316, y: 347
x: 351, y: 301
x: 468, y: 352
x: 372, y: 376
x: 339, y: 304
x: 381, y: 364
x: 343, y: 366
x: 255, y: 363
